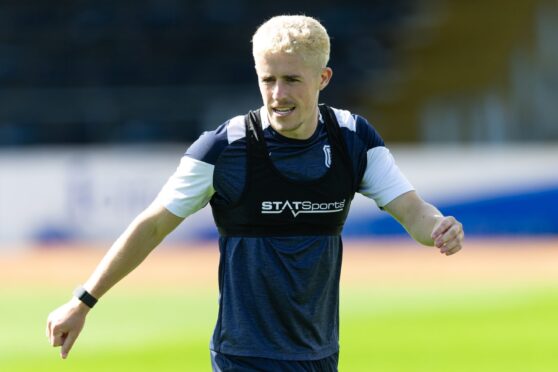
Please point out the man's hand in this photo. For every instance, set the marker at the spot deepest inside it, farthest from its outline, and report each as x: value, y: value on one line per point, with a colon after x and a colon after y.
x: 65, y: 324
x: 448, y: 235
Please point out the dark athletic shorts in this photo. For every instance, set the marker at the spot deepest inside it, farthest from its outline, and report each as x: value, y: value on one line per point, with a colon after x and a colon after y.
x: 231, y: 363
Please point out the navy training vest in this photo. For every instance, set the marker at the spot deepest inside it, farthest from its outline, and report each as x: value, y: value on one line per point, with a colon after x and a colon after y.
x: 272, y: 204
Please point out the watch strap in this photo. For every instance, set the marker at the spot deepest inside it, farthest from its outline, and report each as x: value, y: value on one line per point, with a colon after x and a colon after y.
x: 87, y: 298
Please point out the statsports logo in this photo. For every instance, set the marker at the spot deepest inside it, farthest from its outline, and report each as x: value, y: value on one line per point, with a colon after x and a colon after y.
x: 299, y: 207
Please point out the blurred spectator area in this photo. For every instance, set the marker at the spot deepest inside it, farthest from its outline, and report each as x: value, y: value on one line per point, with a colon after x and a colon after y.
x: 81, y: 72
x: 471, y: 71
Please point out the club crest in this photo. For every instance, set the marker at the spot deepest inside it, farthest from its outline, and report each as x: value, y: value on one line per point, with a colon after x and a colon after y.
x: 327, y: 153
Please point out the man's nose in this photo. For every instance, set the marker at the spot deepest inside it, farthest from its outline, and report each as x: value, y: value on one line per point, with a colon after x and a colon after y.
x: 279, y: 91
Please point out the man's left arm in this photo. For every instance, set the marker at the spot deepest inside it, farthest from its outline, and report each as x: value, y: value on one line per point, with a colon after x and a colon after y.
x: 426, y: 224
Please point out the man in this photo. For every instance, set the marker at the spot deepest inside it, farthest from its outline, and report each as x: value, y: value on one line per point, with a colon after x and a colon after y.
x: 280, y: 181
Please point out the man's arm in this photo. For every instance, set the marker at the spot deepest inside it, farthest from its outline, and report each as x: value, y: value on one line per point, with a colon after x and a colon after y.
x: 146, y: 231
x: 426, y: 224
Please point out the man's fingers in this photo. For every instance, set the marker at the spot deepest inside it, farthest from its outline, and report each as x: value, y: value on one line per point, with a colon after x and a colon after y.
x: 450, y: 246
x: 47, y: 330
x: 65, y: 324
x: 448, y: 230
x: 444, y: 225
x: 68, y: 343
x: 57, y: 338
x: 453, y: 245
x: 452, y: 250
x: 450, y: 235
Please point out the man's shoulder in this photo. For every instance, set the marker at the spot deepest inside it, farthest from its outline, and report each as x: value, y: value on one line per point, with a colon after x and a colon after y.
x: 210, y: 144
x: 345, y: 118
x: 357, y: 126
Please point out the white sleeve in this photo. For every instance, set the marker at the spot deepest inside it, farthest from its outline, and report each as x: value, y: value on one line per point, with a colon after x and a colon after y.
x: 189, y: 188
x: 382, y: 180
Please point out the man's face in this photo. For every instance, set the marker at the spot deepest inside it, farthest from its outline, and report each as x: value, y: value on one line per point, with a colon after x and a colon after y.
x: 290, y: 88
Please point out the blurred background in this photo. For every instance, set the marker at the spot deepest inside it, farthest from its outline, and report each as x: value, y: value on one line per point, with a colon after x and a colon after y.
x: 100, y: 99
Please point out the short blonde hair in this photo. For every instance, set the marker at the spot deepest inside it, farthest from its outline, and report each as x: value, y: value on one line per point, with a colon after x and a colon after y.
x: 293, y: 34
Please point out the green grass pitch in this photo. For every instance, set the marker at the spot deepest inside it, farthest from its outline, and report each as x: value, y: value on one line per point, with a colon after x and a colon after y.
x: 403, y: 329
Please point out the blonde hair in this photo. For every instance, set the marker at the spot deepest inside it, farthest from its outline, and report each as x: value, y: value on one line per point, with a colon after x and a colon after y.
x: 293, y: 34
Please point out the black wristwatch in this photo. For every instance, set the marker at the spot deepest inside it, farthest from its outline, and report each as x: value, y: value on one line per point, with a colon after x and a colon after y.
x: 81, y: 294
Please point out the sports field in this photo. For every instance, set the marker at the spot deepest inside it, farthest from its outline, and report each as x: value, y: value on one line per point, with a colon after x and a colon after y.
x: 492, y: 307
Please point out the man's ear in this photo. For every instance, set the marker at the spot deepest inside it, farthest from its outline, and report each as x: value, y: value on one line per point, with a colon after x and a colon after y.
x: 325, y: 77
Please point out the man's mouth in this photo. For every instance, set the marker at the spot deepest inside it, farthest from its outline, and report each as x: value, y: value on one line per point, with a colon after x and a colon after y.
x: 283, y: 111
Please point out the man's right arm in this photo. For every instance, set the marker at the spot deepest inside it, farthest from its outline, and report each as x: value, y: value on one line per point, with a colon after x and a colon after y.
x: 188, y: 190
x: 144, y: 233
